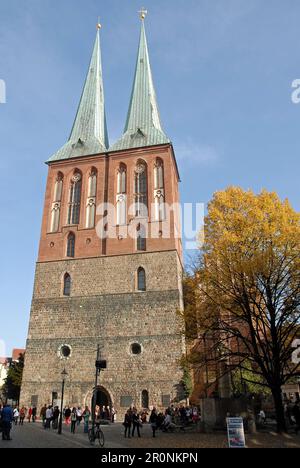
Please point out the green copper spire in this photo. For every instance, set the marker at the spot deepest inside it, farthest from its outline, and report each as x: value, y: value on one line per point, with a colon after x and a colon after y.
x: 143, y: 126
x: 89, y: 133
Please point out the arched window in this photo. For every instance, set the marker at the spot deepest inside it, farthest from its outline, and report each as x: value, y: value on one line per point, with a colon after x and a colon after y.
x: 159, y: 191
x: 71, y: 245
x: 67, y: 285
x: 159, y: 174
x: 91, y: 200
x: 141, y: 239
x: 141, y: 279
x: 141, y: 190
x: 56, y: 205
x: 75, y: 199
x: 121, y: 195
x: 145, y: 399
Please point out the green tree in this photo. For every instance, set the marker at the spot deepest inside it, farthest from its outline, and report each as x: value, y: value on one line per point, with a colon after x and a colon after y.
x: 12, y: 384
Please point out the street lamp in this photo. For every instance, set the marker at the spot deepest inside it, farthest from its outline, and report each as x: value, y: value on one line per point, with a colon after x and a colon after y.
x: 64, y: 376
x: 100, y: 365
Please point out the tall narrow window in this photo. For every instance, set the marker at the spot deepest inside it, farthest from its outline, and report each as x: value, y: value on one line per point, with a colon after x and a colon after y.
x: 56, y: 205
x: 71, y: 245
x: 75, y: 199
x: 141, y: 238
x: 121, y: 196
x: 141, y: 279
x: 141, y: 189
x: 159, y: 191
x: 67, y: 285
x: 91, y: 200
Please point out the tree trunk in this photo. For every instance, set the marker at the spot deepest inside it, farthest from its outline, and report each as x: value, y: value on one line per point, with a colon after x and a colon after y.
x: 279, y: 409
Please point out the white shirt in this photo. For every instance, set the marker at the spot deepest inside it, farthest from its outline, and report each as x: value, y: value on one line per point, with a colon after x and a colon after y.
x: 49, y: 414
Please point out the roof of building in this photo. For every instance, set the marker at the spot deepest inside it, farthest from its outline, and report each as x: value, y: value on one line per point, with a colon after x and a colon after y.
x: 143, y: 125
x: 89, y: 133
x: 16, y: 353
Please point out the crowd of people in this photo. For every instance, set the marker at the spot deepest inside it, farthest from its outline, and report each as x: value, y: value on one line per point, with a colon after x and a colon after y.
x: 170, y: 420
x: 174, y: 417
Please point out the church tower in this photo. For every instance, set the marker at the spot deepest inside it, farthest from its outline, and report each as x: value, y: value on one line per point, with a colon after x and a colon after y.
x: 109, y: 268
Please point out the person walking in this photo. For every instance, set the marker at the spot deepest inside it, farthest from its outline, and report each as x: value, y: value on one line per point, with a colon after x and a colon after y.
x: 73, y: 420
x: 127, y: 423
x: 136, y: 423
x: 7, y: 417
x: 79, y: 415
x: 16, y: 415
x: 67, y: 415
x: 153, y: 421
x: 22, y: 416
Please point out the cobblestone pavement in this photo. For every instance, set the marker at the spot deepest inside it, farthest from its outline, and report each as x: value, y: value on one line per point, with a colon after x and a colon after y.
x: 34, y: 436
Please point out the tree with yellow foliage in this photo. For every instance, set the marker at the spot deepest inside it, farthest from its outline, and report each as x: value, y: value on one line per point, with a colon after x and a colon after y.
x: 248, y: 286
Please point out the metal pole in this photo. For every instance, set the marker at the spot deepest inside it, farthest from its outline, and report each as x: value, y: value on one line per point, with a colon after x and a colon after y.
x: 61, y: 406
x: 95, y: 392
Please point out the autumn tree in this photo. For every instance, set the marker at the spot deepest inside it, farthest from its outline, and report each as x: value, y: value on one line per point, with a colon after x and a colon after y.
x: 248, y: 287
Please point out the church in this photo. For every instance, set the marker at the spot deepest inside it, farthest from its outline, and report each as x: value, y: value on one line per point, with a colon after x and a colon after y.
x: 109, y: 267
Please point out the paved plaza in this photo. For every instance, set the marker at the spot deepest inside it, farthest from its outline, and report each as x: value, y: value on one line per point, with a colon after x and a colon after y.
x: 34, y: 436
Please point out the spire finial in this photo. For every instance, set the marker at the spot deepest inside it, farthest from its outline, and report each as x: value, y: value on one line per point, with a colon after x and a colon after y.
x: 143, y: 13
x: 99, y: 26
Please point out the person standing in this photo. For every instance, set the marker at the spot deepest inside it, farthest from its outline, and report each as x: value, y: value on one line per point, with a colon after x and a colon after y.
x: 113, y: 415
x: 136, y: 423
x: 7, y: 417
x: 86, y: 419
x: 153, y: 421
x: 73, y: 420
x: 43, y: 414
x: 34, y: 411
x: 49, y: 415
x: 56, y: 414
x: 29, y: 414
x: 127, y: 423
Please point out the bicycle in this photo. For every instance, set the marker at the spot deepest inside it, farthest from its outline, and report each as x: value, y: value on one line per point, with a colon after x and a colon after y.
x: 96, y: 434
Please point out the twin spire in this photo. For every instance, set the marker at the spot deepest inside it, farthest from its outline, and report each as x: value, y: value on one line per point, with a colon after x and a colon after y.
x: 143, y: 127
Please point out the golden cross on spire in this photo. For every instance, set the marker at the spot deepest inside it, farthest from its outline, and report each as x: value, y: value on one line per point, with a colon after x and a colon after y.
x: 143, y: 13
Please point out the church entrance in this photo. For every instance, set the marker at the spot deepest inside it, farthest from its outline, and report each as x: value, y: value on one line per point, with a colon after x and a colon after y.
x: 102, y: 397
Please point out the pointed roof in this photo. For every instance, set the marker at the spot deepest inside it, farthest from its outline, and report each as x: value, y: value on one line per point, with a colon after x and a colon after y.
x: 89, y: 133
x: 143, y: 125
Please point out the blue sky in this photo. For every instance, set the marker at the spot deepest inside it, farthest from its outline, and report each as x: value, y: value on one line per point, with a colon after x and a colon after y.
x: 223, y: 71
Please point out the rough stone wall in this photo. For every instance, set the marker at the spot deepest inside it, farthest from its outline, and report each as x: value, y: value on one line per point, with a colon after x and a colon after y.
x: 105, y: 308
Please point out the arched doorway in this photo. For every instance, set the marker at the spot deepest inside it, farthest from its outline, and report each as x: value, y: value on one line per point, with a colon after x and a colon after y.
x: 102, y: 397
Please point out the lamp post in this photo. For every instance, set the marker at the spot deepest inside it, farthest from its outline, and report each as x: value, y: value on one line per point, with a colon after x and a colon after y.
x: 100, y: 365
x: 64, y: 375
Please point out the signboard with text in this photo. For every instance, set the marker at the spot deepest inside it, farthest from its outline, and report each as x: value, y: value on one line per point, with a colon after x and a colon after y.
x: 236, y: 433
